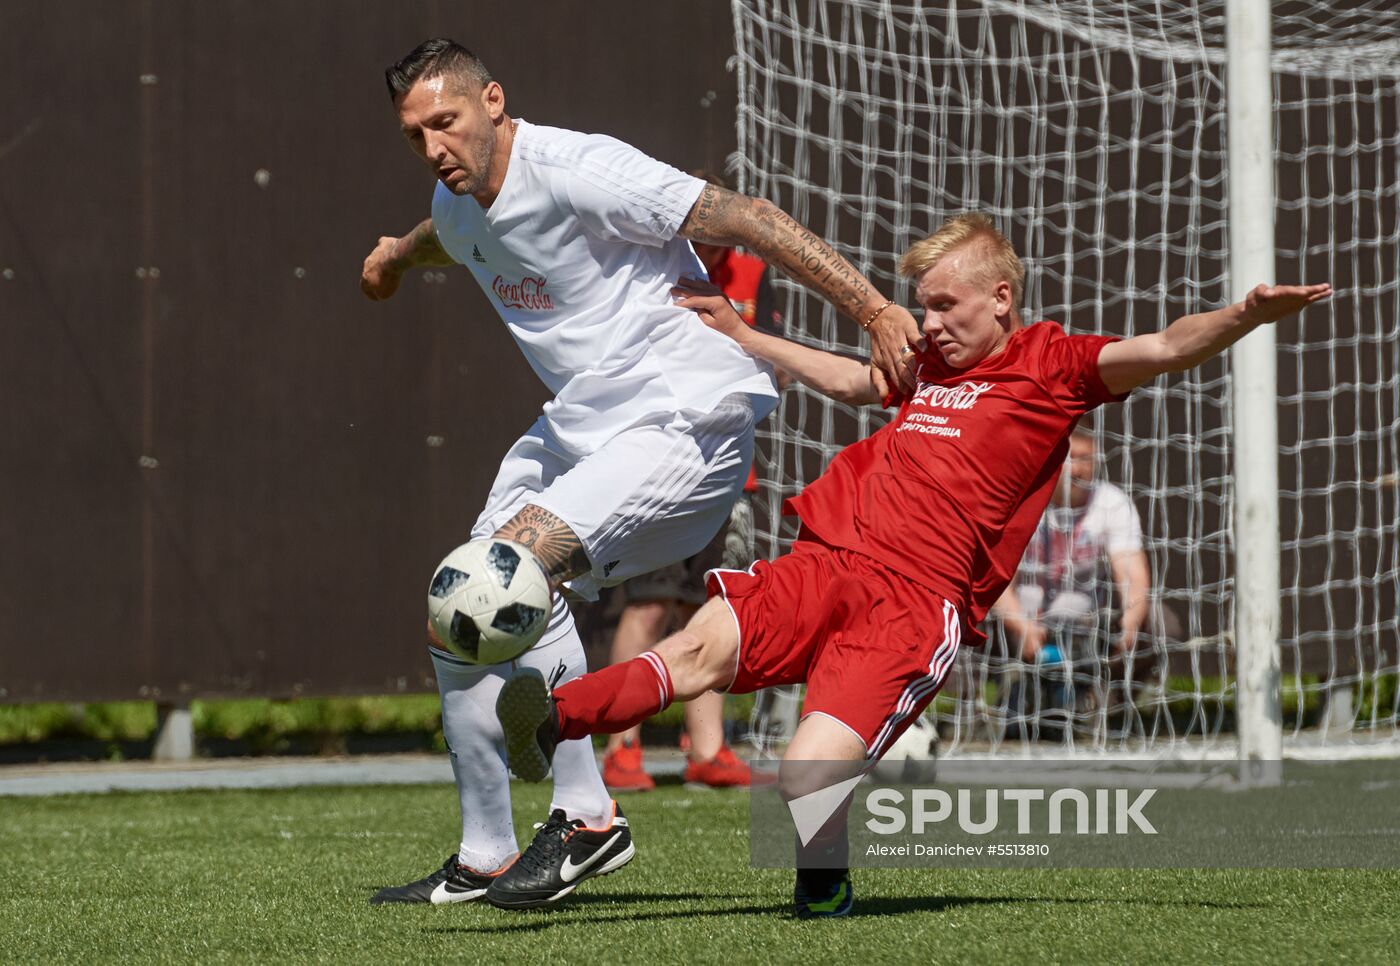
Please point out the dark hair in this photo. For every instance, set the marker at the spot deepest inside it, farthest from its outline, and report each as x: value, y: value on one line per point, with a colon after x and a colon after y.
x: 433, y: 58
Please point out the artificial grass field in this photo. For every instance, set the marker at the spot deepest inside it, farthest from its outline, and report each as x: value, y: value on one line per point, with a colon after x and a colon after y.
x: 286, y: 875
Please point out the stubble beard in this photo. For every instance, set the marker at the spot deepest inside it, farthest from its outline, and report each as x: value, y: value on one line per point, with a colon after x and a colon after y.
x: 480, y: 164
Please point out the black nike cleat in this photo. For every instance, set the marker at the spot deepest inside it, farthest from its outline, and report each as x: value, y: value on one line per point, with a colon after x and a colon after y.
x: 454, y: 882
x: 822, y: 894
x: 526, y: 712
x: 563, y: 854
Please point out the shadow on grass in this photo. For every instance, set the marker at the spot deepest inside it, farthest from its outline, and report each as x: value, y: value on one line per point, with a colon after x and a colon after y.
x: 593, y: 909
x: 897, y: 905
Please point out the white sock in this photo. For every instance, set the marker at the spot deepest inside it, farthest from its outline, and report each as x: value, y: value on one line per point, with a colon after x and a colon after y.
x: 477, y: 750
x: 578, y: 785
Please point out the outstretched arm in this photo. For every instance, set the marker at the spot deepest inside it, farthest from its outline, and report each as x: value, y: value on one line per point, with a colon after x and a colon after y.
x: 722, y: 217
x: 384, y: 267
x: 1192, y: 339
x: 841, y: 378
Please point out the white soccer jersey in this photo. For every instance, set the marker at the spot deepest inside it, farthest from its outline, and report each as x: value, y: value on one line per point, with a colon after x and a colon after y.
x: 578, y: 254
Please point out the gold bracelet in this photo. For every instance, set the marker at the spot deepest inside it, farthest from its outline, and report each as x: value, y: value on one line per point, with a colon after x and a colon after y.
x: 875, y: 315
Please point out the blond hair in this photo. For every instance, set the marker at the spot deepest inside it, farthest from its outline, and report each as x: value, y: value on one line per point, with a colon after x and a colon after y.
x: 998, y: 259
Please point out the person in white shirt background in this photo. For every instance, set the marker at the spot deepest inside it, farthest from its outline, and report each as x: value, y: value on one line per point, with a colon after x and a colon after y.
x: 577, y: 240
x: 1081, y: 602
x: 1089, y: 522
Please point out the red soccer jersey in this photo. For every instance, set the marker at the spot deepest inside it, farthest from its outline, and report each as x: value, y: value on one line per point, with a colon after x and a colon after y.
x: 950, y: 492
x: 739, y: 276
x: 743, y: 279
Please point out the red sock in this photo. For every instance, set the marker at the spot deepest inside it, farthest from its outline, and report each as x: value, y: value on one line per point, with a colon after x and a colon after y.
x: 613, y: 699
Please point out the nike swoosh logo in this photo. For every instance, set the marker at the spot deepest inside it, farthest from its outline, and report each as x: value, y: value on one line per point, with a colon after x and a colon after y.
x: 569, y: 872
x: 444, y: 893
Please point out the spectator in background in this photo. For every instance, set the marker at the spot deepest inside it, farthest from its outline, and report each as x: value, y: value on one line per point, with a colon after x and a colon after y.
x: 1060, y: 580
x: 1061, y: 594
x: 661, y: 602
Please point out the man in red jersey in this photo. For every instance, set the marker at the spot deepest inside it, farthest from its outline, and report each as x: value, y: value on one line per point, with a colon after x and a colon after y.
x: 910, y: 535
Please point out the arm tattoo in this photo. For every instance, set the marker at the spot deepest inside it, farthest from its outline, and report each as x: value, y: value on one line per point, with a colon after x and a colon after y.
x: 723, y: 217
x: 420, y: 247
x: 551, y: 540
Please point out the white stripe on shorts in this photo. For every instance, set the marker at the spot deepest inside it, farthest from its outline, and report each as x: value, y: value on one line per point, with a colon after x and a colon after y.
x: 671, y: 481
x: 676, y: 479
x: 920, y: 688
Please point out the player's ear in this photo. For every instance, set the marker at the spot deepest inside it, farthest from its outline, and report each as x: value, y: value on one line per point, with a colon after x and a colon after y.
x: 493, y: 98
x: 1002, y: 296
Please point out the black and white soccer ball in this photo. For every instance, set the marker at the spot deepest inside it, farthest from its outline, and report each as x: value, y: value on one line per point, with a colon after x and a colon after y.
x: 489, y: 601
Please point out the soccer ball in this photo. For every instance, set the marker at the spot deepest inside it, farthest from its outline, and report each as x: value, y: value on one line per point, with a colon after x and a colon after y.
x: 913, y: 758
x: 489, y: 601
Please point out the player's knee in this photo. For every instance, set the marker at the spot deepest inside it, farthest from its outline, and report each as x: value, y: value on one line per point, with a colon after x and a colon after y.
x: 798, y: 778
x: 683, y: 653
x: 823, y: 752
x: 694, y: 663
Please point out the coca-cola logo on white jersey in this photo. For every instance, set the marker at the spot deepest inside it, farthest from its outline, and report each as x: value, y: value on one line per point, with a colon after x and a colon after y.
x: 962, y: 396
x: 527, y: 294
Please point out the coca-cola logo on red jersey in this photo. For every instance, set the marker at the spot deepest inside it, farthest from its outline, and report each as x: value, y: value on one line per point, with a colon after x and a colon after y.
x: 527, y: 294
x: 962, y: 396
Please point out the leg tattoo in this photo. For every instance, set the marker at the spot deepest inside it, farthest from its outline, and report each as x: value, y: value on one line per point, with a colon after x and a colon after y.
x: 551, y: 540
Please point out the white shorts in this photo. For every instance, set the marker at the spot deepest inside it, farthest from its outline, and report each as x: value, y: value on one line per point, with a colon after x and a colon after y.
x: 653, y: 494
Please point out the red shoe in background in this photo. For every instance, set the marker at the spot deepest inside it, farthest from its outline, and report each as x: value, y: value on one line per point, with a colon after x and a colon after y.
x: 724, y: 770
x: 623, y: 772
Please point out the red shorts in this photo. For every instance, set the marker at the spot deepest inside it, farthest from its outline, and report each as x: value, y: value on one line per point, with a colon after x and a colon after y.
x: 872, y: 646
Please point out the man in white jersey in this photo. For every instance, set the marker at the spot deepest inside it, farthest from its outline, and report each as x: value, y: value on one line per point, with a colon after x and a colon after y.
x: 577, y: 240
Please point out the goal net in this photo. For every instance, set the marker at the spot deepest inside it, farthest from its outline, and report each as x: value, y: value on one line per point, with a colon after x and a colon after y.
x: 1094, y: 134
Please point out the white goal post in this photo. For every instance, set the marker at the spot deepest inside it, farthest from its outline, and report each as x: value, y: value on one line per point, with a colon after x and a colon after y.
x: 1249, y: 101
x: 1105, y: 140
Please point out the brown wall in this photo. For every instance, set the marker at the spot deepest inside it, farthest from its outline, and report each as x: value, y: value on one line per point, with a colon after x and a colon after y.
x: 216, y: 474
